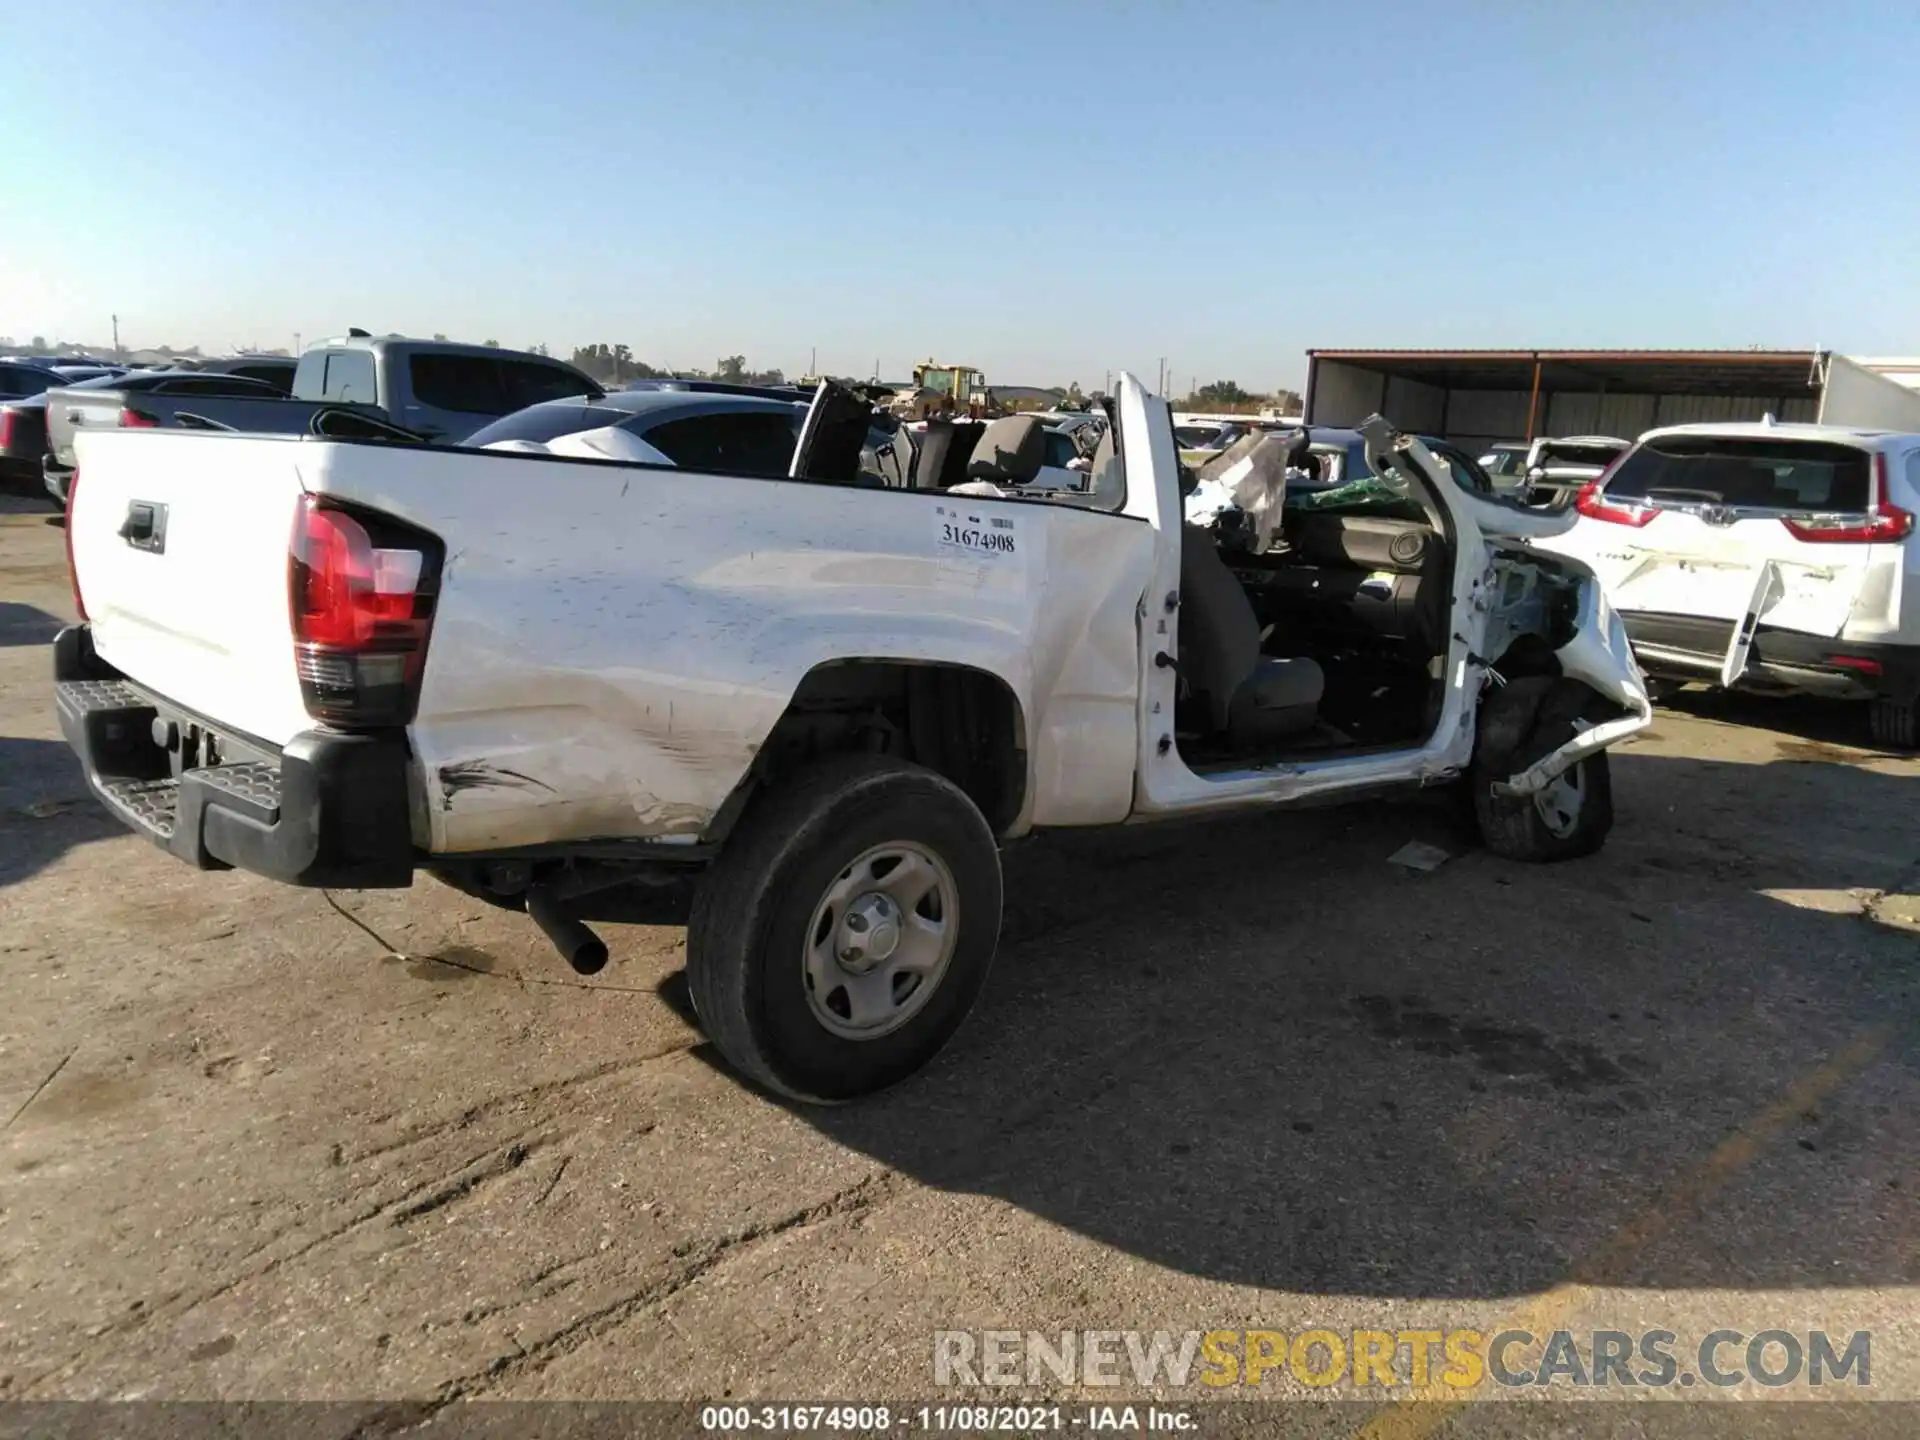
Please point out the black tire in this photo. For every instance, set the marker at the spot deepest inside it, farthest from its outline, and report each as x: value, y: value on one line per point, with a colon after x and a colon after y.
x: 1517, y: 828
x: 747, y: 937
x: 1895, y: 724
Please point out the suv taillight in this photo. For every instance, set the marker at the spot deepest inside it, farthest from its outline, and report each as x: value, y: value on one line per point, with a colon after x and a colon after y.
x: 362, y: 591
x: 6, y: 426
x: 1593, y: 503
x: 73, y: 574
x: 131, y: 419
x: 1884, y: 520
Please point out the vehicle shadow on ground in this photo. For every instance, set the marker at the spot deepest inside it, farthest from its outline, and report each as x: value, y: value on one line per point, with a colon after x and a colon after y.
x: 26, y: 625
x: 45, y: 810
x: 1253, y: 1052
x: 1807, y: 717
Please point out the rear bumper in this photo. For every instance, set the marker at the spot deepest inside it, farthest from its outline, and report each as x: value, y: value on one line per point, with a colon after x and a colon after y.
x: 1690, y: 647
x: 19, y: 477
x: 55, y: 478
x: 325, y: 809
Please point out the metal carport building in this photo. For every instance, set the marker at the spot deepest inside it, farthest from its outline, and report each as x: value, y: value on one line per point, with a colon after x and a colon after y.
x: 1477, y: 397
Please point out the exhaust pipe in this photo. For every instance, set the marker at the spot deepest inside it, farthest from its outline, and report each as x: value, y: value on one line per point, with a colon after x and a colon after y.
x: 585, y: 951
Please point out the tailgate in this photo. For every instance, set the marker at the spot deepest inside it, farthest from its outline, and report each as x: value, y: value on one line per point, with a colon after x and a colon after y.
x: 1682, y: 565
x: 180, y: 546
x: 1718, y: 526
x: 71, y: 411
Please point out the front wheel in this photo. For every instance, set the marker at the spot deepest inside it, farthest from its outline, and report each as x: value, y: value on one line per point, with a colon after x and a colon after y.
x: 1568, y: 818
x: 846, y: 929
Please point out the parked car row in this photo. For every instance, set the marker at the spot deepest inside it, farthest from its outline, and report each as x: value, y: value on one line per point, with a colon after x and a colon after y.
x: 431, y: 390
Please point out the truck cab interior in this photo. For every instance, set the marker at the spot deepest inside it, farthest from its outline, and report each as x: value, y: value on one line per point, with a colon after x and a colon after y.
x: 1330, y: 639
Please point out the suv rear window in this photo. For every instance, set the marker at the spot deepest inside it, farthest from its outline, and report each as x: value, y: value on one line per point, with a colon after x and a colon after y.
x: 749, y: 442
x: 19, y: 380
x: 337, y: 375
x: 541, y: 423
x: 278, y: 376
x: 466, y: 384
x: 229, y: 386
x: 1752, y: 473
x: 529, y: 382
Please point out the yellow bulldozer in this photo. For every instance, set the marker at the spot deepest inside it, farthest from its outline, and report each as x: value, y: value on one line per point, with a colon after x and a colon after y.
x: 947, y: 391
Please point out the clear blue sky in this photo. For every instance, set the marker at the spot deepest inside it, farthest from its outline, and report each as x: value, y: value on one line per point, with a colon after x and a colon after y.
x: 1045, y: 190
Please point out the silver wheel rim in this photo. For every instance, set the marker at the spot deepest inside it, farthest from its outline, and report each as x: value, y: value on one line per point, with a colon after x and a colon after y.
x: 1560, y: 802
x: 880, y: 940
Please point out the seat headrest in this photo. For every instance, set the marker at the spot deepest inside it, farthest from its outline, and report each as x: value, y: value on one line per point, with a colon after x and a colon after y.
x: 1013, y: 448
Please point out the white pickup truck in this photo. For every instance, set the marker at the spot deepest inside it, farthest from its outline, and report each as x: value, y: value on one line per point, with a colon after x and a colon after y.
x: 339, y: 663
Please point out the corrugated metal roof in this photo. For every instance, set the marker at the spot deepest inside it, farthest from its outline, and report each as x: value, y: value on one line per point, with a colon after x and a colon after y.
x: 1713, y: 356
x: 1680, y: 372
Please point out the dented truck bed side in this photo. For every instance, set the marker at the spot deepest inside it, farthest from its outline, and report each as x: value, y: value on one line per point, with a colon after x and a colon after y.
x: 613, y: 643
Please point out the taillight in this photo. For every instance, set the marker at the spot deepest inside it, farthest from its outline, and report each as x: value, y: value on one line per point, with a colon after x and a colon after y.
x: 6, y: 427
x: 362, y: 591
x: 73, y: 574
x: 132, y: 419
x: 1859, y: 663
x: 1884, y: 520
x: 1593, y: 503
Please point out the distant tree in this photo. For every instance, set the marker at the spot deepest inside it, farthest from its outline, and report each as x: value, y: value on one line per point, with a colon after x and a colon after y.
x: 1222, y: 392
x: 538, y: 350
x: 39, y: 343
x: 492, y: 344
x: 438, y: 336
x: 1288, y: 402
x: 733, y: 368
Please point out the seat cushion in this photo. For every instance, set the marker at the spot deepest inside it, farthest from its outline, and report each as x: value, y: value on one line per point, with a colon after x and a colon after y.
x: 1010, y: 451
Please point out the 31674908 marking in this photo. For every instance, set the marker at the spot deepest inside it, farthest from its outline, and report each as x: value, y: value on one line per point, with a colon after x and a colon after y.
x: 972, y: 533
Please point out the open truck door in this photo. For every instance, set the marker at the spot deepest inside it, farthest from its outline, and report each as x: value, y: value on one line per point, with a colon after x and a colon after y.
x: 832, y: 437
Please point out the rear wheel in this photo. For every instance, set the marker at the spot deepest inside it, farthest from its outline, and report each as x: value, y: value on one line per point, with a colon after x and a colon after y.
x: 845, y: 931
x: 1570, y: 816
x: 1895, y: 723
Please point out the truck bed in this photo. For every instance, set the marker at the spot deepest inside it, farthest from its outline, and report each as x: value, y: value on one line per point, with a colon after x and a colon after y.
x: 71, y: 411
x: 611, y: 643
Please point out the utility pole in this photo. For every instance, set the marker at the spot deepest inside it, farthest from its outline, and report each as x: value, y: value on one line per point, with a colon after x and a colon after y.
x: 296, y: 344
x: 116, y: 337
x: 813, y: 360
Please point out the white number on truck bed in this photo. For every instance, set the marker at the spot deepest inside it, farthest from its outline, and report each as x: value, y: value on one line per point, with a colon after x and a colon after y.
x: 960, y: 531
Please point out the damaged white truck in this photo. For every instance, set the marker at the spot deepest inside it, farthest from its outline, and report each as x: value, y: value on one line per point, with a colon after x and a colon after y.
x: 339, y: 663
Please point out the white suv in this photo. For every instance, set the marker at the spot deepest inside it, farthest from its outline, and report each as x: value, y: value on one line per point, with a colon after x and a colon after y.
x: 1769, y: 557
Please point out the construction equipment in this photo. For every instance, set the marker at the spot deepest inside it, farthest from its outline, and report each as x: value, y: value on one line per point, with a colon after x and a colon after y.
x: 947, y: 391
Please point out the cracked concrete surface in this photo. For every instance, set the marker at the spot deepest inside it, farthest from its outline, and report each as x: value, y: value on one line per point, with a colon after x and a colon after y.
x: 270, y: 1143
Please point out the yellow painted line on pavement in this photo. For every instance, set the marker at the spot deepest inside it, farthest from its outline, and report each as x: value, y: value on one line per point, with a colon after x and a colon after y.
x: 1420, y: 1416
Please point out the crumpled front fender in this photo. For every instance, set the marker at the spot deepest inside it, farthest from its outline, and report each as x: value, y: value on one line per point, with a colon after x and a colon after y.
x: 1600, y: 656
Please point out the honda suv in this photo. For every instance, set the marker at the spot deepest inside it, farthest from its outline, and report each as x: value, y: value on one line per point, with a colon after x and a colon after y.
x: 1767, y: 557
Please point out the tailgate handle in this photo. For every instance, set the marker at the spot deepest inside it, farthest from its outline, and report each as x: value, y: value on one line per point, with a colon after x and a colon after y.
x: 145, y: 527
